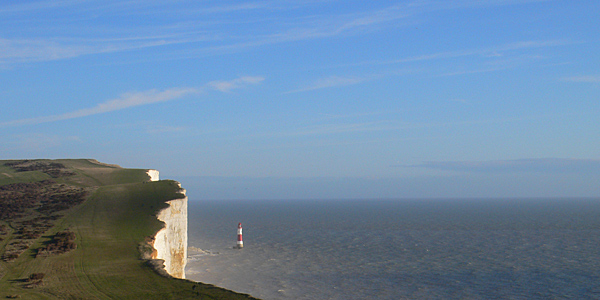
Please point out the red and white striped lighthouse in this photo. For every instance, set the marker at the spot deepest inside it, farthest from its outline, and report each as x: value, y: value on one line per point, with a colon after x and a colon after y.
x: 240, y: 242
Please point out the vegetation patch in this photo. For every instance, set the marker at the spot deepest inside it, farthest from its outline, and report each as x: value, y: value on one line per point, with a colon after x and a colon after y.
x: 34, y: 280
x: 31, y: 209
x: 53, y: 169
x: 76, y: 229
x: 61, y: 242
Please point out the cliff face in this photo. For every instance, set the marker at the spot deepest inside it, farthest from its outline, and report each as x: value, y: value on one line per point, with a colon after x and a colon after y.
x: 171, y: 241
x: 153, y: 175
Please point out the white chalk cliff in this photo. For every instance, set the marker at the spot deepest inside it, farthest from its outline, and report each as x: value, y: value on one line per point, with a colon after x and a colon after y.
x: 171, y: 242
x: 153, y: 175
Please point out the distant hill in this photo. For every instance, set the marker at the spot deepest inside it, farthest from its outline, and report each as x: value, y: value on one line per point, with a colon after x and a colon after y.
x: 78, y: 229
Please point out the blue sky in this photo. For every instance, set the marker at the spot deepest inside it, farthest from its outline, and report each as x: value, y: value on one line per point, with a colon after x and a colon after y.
x: 314, y: 98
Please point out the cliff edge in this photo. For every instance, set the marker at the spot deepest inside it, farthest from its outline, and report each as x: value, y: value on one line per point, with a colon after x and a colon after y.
x: 69, y: 230
x: 171, y: 242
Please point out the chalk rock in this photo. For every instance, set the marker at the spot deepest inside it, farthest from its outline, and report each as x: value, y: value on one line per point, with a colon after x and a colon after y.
x: 153, y: 175
x: 171, y: 242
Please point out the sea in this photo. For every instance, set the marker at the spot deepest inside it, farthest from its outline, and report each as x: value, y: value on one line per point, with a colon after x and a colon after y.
x: 399, y: 249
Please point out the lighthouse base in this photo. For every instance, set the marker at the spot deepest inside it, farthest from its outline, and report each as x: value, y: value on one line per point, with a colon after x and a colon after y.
x: 238, y: 246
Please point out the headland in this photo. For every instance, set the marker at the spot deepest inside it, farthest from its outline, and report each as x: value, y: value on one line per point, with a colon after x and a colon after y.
x: 82, y: 229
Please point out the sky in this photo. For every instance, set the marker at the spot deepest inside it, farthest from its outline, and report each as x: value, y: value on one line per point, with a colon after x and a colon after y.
x: 269, y: 99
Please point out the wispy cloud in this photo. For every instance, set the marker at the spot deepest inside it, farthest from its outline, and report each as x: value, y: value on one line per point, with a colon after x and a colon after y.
x: 482, y: 60
x: 234, y: 7
x: 38, y: 142
x: 537, y: 165
x: 490, y: 52
x: 177, y: 23
x: 329, y: 116
x: 590, y: 78
x: 365, y: 21
x: 37, y: 5
x: 156, y: 129
x: 330, y: 82
x: 133, y: 99
x: 459, y: 100
x: 327, y: 129
x: 48, y: 49
x: 338, y: 128
x: 228, y: 86
x: 126, y: 100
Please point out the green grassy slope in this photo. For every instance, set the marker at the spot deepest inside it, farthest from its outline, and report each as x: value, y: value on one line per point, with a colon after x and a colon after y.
x: 109, y: 226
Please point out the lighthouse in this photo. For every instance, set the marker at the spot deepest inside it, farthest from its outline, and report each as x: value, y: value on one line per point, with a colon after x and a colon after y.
x: 240, y: 242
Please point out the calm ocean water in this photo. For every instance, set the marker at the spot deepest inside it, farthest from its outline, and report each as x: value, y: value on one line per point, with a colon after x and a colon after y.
x: 404, y: 249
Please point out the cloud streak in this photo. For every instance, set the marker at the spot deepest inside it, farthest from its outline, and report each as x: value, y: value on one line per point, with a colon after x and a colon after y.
x: 586, y: 79
x: 539, y: 165
x: 228, y: 86
x: 483, y: 60
x: 39, y: 142
x: 496, y: 51
x: 50, y: 49
x: 126, y: 100
x: 134, y: 99
x: 177, y: 23
x: 330, y: 82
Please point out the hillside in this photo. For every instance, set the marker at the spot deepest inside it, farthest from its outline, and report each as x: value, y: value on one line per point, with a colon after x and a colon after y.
x: 75, y: 229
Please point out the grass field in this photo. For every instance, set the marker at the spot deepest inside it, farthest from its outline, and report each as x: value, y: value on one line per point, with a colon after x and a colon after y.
x: 110, y: 226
